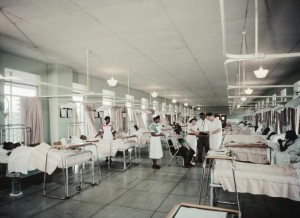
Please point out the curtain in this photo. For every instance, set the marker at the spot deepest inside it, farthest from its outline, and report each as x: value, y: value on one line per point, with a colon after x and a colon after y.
x: 31, y: 116
x: 120, y: 122
x: 90, y: 119
x: 138, y: 120
x: 75, y: 129
x: 292, y: 119
x: 297, y: 112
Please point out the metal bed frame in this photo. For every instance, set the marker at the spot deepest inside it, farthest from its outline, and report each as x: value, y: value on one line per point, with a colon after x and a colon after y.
x: 210, y: 178
x: 6, y: 130
x: 65, y: 168
x: 127, y: 155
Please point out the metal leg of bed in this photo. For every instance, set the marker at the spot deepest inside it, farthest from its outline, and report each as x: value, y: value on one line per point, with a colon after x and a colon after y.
x: 201, y: 182
x: 65, y: 168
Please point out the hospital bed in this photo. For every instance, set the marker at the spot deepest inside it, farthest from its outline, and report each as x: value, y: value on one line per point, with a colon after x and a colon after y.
x: 108, y: 148
x: 66, y: 156
x: 249, y: 148
x: 272, y: 180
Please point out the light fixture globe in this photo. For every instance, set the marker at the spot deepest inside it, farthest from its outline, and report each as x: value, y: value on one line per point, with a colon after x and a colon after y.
x: 112, y: 82
x: 248, y: 91
x: 154, y: 94
x: 186, y: 104
x: 174, y: 100
x: 243, y: 98
x: 261, y: 73
x: 238, y: 106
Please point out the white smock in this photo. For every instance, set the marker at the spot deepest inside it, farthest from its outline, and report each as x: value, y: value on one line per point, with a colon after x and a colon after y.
x: 192, y: 139
x: 156, y: 151
x: 215, y: 140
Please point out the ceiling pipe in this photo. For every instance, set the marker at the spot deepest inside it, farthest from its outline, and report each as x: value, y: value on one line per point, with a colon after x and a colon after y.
x: 264, y: 86
x: 256, y: 55
x: 262, y: 96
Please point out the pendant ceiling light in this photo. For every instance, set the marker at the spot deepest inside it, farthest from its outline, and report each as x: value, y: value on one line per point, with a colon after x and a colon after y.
x: 248, y: 91
x: 243, y: 98
x: 186, y: 104
x: 238, y: 106
x: 261, y: 73
x: 154, y: 94
x: 174, y: 100
x: 112, y: 82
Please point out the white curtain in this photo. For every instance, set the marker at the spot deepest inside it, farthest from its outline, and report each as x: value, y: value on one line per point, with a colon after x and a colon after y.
x: 75, y: 129
x: 31, y: 116
x: 138, y: 120
x: 90, y: 119
x: 119, y: 123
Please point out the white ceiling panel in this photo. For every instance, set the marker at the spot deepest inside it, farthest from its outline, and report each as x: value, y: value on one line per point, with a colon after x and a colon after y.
x: 175, y: 44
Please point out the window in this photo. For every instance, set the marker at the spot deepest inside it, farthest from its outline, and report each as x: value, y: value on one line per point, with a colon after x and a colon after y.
x: 129, y: 105
x: 78, y: 99
x: 163, y: 107
x: 26, y: 86
x: 144, y: 105
x: 171, y: 108
x: 155, y: 106
x: 108, y: 99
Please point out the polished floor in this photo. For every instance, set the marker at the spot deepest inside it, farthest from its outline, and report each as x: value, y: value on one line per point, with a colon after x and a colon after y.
x: 138, y: 192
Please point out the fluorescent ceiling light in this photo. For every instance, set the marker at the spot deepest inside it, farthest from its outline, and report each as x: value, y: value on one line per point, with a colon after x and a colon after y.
x: 248, y: 91
x: 174, y: 100
x: 243, y: 98
x: 261, y: 73
x: 154, y: 94
x: 112, y: 82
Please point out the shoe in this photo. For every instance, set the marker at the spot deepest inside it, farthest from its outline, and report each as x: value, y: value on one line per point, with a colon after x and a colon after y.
x: 192, y: 163
x: 156, y: 166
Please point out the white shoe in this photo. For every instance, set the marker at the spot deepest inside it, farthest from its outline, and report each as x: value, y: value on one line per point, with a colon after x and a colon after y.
x: 193, y: 163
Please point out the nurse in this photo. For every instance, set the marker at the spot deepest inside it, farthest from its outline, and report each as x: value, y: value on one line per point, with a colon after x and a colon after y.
x: 106, y: 131
x: 155, y: 143
x: 215, y: 131
x: 191, y: 137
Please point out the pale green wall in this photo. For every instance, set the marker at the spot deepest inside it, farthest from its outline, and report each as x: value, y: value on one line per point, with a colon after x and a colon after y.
x: 55, y: 127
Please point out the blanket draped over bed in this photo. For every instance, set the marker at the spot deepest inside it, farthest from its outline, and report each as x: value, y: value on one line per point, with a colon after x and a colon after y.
x: 272, y: 180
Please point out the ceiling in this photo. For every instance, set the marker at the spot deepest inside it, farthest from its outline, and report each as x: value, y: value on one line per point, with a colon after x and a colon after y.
x: 174, y: 46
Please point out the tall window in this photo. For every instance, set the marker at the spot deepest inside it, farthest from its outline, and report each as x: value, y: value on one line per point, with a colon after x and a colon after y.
x: 108, y: 99
x: 78, y: 99
x: 155, y: 106
x: 25, y: 86
x: 163, y: 107
x: 129, y: 105
x: 144, y: 105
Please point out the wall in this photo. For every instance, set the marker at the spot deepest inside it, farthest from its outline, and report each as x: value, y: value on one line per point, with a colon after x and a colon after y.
x: 55, y: 127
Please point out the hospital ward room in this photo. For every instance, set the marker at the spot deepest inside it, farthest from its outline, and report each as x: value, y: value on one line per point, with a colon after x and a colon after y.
x: 150, y: 108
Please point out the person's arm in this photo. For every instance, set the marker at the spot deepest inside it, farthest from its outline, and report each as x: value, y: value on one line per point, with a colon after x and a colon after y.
x: 219, y: 128
x: 100, y: 132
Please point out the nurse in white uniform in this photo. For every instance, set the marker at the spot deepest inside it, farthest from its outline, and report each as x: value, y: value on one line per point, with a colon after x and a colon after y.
x: 191, y: 137
x: 215, y: 131
x: 155, y: 142
x: 106, y: 131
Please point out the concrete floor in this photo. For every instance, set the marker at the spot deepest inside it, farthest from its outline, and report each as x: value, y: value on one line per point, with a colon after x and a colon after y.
x: 138, y: 192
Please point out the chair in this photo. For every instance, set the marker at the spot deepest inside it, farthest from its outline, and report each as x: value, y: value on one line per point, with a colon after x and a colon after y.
x: 173, y: 151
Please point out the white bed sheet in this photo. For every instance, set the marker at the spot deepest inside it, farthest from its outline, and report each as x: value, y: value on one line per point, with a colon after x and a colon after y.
x: 248, y: 154
x: 272, y: 180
